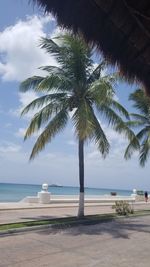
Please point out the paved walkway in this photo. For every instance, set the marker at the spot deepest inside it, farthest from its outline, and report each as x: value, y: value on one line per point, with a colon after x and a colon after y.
x: 121, y: 243
x: 18, y: 215
x: 10, y: 214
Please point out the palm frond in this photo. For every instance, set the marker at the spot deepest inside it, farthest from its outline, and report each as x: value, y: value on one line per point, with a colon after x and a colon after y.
x: 140, y: 101
x: 117, y: 106
x: 144, y: 132
x: 144, y: 151
x: 42, y: 117
x: 134, y: 124
x: 53, y: 99
x: 96, y: 73
x: 141, y: 118
x: 111, y: 78
x: 46, y: 84
x: 88, y: 127
x: 82, y: 121
x: 135, y: 142
x: 31, y: 83
x: 100, y: 92
x: 53, y: 70
x: 72, y: 55
x: 134, y: 145
x: 116, y: 121
x: 54, y: 82
x: 78, y: 60
x: 56, y: 125
x: 51, y: 47
x: 99, y: 136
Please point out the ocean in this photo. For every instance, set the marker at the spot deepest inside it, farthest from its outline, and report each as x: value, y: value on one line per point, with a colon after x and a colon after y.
x: 16, y: 192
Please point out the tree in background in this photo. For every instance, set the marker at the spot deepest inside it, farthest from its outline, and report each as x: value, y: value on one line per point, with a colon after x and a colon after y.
x: 141, y: 121
x: 74, y: 88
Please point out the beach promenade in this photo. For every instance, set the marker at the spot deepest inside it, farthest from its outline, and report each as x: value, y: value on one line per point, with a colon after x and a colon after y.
x: 19, y: 212
x: 120, y: 243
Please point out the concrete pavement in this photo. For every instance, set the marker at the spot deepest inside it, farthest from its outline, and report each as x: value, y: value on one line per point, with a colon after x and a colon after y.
x: 12, y: 213
x: 32, y: 212
x: 21, y: 215
x: 120, y: 243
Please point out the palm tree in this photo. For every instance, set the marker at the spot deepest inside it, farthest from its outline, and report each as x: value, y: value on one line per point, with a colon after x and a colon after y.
x: 73, y: 86
x: 142, y: 122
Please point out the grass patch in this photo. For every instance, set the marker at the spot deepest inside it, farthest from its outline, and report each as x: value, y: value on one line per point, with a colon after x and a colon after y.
x: 60, y: 221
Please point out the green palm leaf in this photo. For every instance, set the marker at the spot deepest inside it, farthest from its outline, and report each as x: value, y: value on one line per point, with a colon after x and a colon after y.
x: 82, y: 121
x: 56, y: 125
x: 96, y: 73
x: 141, y: 101
x: 140, y: 118
x: 99, y: 136
x: 144, y: 151
x: 134, y: 124
x: 117, y: 106
x: 46, y: 84
x: 55, y: 100
x: 51, y: 47
x: 31, y: 83
x: 100, y: 92
x: 41, y: 117
x: 133, y: 146
x: 141, y: 121
x: 116, y: 121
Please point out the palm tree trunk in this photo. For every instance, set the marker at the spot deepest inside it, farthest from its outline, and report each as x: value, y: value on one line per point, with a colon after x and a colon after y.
x: 81, y: 178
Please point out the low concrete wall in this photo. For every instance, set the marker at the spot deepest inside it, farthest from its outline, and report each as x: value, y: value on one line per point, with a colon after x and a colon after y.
x: 63, y: 199
x: 30, y: 199
x: 90, y: 200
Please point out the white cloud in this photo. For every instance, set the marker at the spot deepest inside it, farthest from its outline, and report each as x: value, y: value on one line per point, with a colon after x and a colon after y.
x: 8, y: 147
x: 94, y: 154
x: 114, y: 137
x: 24, y: 100
x: 20, y: 132
x: 71, y: 142
x: 19, y: 49
x: 58, y: 31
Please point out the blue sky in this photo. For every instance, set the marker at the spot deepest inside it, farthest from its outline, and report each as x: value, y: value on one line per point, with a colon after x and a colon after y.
x: 21, y: 27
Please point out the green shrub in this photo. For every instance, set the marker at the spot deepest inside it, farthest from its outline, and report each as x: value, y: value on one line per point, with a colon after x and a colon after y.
x: 123, y: 208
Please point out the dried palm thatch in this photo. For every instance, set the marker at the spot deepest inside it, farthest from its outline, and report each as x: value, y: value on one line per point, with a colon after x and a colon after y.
x: 119, y: 28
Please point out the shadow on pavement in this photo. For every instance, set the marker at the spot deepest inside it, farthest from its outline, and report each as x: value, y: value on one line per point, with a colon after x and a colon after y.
x: 116, y: 229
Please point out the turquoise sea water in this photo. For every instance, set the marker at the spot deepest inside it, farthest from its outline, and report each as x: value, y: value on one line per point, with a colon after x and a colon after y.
x: 16, y: 192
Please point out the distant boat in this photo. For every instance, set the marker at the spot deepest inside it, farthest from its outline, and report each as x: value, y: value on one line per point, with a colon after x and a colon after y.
x: 55, y: 185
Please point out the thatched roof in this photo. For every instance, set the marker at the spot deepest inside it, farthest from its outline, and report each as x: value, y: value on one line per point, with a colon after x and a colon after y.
x: 119, y: 28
